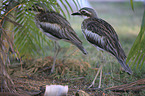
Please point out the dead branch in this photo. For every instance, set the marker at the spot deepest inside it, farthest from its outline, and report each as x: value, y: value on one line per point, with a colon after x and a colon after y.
x: 136, y: 86
x: 8, y: 94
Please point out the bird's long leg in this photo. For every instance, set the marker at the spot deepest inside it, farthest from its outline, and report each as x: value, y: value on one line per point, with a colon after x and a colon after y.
x: 99, y: 71
x: 100, y: 77
x: 56, y: 49
x: 100, y: 68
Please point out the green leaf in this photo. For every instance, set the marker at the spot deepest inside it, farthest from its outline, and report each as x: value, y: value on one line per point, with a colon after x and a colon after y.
x: 76, y: 4
x: 28, y: 38
x: 61, y: 10
x: 131, y: 2
x: 69, y: 5
x: 65, y: 8
x: 138, y: 48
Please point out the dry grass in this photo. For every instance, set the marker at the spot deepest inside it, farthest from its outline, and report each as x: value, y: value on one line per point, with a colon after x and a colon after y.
x: 77, y: 70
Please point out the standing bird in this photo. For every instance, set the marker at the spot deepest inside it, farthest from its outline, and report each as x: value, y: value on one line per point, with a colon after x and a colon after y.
x: 102, y: 36
x: 55, y: 27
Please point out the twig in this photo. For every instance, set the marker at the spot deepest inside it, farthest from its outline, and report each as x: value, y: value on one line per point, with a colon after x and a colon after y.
x: 48, y: 68
x: 77, y: 78
x: 15, y: 65
x: 8, y: 94
x: 136, y: 86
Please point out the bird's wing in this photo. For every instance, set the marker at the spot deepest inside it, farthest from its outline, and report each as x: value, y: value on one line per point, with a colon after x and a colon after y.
x: 56, y: 25
x: 101, y: 34
x: 108, y: 27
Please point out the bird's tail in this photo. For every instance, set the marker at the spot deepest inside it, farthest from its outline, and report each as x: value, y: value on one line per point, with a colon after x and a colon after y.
x: 82, y: 48
x: 125, y: 66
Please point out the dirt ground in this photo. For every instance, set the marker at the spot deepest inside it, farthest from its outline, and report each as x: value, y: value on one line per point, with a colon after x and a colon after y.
x: 34, y: 75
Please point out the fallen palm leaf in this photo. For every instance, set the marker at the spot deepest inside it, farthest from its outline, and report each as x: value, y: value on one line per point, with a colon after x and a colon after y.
x: 136, y: 86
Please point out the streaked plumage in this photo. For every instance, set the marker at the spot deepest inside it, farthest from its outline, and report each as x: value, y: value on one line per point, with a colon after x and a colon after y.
x: 55, y: 26
x: 101, y: 34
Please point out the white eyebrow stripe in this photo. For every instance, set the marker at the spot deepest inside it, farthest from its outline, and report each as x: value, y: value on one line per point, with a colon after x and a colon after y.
x: 86, y: 11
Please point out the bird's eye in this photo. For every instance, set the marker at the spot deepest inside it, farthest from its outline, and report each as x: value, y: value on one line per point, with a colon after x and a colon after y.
x: 83, y: 12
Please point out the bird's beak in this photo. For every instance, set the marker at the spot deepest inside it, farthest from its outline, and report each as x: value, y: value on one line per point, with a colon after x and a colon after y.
x: 76, y: 13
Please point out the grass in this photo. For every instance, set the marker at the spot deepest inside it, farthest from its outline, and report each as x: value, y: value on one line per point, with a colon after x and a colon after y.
x: 127, y: 25
x: 120, y: 16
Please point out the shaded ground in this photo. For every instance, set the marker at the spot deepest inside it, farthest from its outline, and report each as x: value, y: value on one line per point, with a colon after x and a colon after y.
x: 78, y: 71
x: 35, y: 75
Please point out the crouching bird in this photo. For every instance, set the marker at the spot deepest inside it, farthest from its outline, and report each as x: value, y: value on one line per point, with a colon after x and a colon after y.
x: 102, y: 36
x: 55, y: 27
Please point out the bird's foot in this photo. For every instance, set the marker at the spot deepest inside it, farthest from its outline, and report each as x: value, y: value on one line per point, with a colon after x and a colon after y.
x: 91, y: 85
x: 52, y: 71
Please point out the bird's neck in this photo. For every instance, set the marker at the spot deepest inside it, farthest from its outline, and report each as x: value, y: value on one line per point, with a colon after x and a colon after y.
x: 86, y: 17
x: 93, y: 15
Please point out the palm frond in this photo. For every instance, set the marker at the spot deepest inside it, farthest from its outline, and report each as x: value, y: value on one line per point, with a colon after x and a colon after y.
x: 137, y: 52
x: 131, y: 2
x: 77, y: 4
x: 28, y: 38
x: 69, y: 5
x: 65, y: 7
x: 61, y: 10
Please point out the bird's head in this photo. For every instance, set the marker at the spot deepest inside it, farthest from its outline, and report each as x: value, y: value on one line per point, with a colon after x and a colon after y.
x: 38, y: 8
x: 86, y: 12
